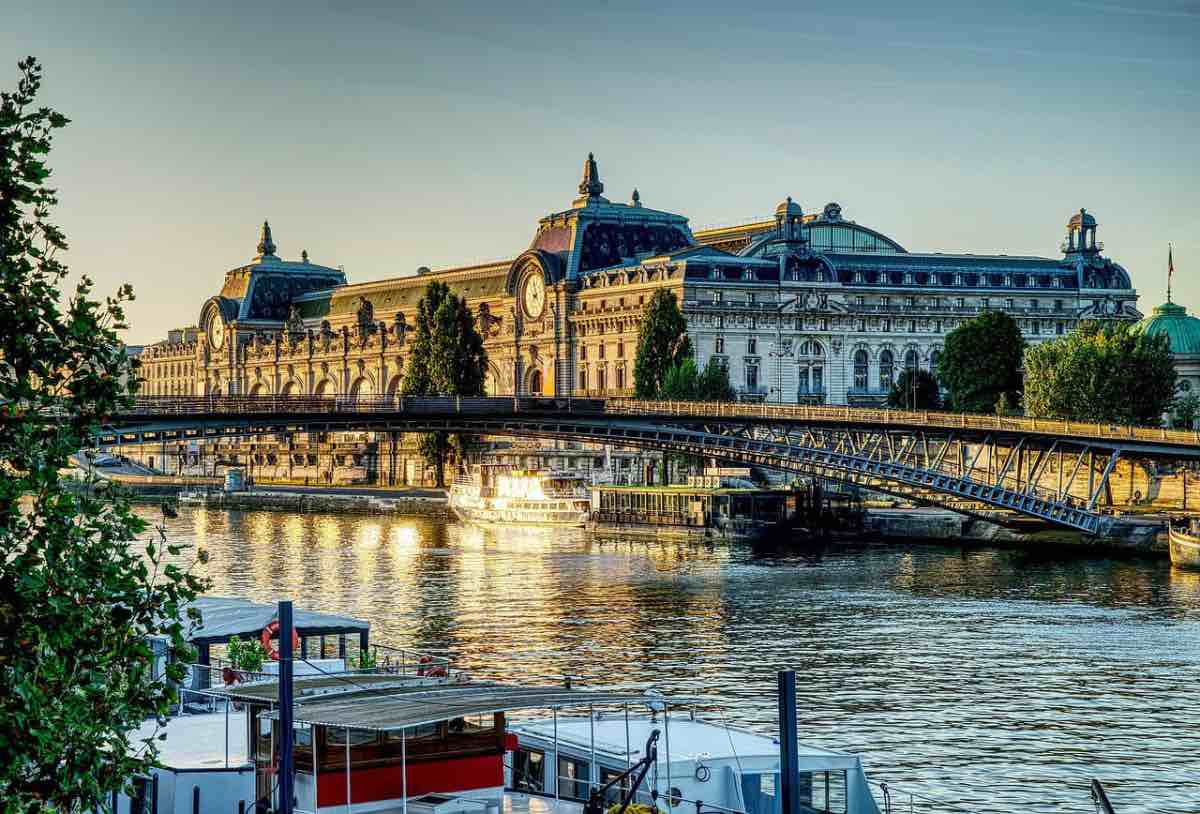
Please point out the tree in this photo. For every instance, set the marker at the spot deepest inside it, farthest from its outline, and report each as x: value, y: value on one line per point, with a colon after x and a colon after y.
x: 1105, y: 373
x: 915, y: 390
x: 682, y: 382
x: 662, y: 344
x: 1185, y: 411
x: 714, y: 382
x: 78, y: 601
x: 981, y: 362
x: 447, y: 359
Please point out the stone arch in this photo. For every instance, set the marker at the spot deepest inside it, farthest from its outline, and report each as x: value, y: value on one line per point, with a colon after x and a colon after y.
x: 393, y: 388
x: 325, y: 387
x: 362, y: 387
x: 291, y: 388
x: 491, y: 380
x: 258, y: 389
x: 535, y: 382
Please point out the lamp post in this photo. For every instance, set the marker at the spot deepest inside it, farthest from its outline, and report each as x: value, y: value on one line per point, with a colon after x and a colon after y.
x: 781, y: 351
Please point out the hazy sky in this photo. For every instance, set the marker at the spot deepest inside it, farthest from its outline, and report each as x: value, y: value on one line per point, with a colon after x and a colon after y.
x: 383, y: 136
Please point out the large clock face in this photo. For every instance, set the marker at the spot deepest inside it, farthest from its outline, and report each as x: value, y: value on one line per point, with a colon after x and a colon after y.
x: 534, y: 295
x: 216, y: 332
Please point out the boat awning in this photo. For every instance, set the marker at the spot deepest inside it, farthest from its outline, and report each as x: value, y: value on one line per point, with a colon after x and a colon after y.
x: 223, y: 617
x: 393, y: 712
x: 307, y: 687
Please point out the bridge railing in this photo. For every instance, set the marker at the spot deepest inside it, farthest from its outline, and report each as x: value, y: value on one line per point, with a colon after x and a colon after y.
x: 885, y: 417
x: 276, y: 405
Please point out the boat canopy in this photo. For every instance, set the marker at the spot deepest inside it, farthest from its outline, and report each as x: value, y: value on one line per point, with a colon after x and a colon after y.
x: 305, y: 687
x: 395, y: 711
x: 223, y: 617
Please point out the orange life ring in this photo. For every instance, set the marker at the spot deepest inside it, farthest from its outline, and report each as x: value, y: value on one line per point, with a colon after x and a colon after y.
x: 269, y: 632
x: 426, y: 667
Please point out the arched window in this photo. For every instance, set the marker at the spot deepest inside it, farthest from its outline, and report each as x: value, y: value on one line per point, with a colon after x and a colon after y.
x: 911, y: 361
x: 535, y: 382
x: 812, y: 348
x: 860, y: 369
x: 933, y: 361
x: 583, y: 380
x: 601, y: 379
x: 886, y: 370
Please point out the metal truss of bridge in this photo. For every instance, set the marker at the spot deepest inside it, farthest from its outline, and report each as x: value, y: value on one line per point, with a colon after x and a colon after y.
x: 1056, y: 471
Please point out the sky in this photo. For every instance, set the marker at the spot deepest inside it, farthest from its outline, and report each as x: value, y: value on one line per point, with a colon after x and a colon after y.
x: 387, y: 136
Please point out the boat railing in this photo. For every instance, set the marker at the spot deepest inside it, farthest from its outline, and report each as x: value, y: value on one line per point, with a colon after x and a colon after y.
x: 897, y: 801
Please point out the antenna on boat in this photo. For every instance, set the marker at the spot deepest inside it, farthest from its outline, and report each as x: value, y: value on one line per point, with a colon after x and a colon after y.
x: 287, y: 778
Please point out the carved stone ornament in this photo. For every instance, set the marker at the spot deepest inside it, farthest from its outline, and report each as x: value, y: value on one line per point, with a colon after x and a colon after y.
x: 836, y: 344
x: 295, y: 322
x: 365, y: 312
x: 489, y: 325
x: 399, y: 327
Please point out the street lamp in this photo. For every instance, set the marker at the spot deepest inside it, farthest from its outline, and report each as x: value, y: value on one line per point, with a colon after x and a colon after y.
x: 781, y: 351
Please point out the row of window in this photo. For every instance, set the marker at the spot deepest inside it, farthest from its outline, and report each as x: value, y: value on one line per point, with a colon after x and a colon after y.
x: 600, y: 351
x: 959, y: 302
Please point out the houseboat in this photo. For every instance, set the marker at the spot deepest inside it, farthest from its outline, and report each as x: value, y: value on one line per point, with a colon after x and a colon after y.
x: 1185, y: 545
x: 704, y: 509
x: 383, y: 744
x: 490, y: 494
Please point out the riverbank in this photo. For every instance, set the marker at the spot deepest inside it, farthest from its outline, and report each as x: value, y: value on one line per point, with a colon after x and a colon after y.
x: 1143, y: 537
x: 424, y: 502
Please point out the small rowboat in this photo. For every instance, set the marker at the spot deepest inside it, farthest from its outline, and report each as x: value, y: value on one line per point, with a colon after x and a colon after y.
x: 1185, y: 548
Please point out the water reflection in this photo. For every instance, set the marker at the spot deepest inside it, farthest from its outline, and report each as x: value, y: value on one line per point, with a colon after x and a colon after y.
x: 999, y: 679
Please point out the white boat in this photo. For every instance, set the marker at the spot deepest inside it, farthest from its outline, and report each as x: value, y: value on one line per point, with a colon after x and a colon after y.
x: 497, y: 494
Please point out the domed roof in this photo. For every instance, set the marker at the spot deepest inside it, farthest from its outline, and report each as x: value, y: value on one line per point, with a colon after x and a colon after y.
x: 1081, y: 218
x: 789, y: 207
x: 1183, y: 331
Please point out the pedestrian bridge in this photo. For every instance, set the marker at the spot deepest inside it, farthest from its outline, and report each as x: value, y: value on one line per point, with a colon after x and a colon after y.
x: 1054, y: 470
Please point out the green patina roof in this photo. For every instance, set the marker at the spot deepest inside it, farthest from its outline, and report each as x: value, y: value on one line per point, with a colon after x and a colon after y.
x: 1182, y: 331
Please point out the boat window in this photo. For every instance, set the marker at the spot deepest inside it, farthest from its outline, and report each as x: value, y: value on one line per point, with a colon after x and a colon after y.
x: 425, y: 732
x: 573, y: 776
x: 823, y: 792
x: 336, y: 736
x: 613, y: 795
x: 529, y: 771
x: 819, y: 792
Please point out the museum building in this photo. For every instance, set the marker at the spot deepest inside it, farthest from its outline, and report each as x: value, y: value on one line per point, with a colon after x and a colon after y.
x: 800, y: 308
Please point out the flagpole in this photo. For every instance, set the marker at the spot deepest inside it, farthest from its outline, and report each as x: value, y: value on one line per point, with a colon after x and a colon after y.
x: 1170, y: 271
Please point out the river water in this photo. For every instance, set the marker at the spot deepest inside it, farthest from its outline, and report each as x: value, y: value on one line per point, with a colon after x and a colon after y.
x: 991, y: 680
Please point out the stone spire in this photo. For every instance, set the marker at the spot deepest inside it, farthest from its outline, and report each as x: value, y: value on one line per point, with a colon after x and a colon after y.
x: 590, y: 186
x: 266, y: 246
x: 637, y: 199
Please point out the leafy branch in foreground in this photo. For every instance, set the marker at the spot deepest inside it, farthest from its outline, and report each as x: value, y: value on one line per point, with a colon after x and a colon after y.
x: 78, y: 602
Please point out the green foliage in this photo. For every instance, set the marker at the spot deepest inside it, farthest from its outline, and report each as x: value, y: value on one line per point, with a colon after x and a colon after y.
x: 982, y: 361
x: 366, y: 660
x: 662, y: 344
x: 1185, y: 411
x: 682, y: 382
x: 1105, y: 373
x: 248, y: 655
x: 77, y: 600
x: 447, y: 359
x: 915, y: 390
x: 714, y: 382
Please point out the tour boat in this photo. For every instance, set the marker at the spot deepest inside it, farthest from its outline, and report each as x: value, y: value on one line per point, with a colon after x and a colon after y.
x: 497, y: 494
x: 1185, y: 547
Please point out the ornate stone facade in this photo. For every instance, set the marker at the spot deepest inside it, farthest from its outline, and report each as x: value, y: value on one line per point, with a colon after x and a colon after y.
x: 808, y: 308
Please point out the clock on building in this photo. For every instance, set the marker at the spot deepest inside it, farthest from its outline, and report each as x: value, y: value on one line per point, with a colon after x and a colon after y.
x: 216, y: 331
x: 533, y: 295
